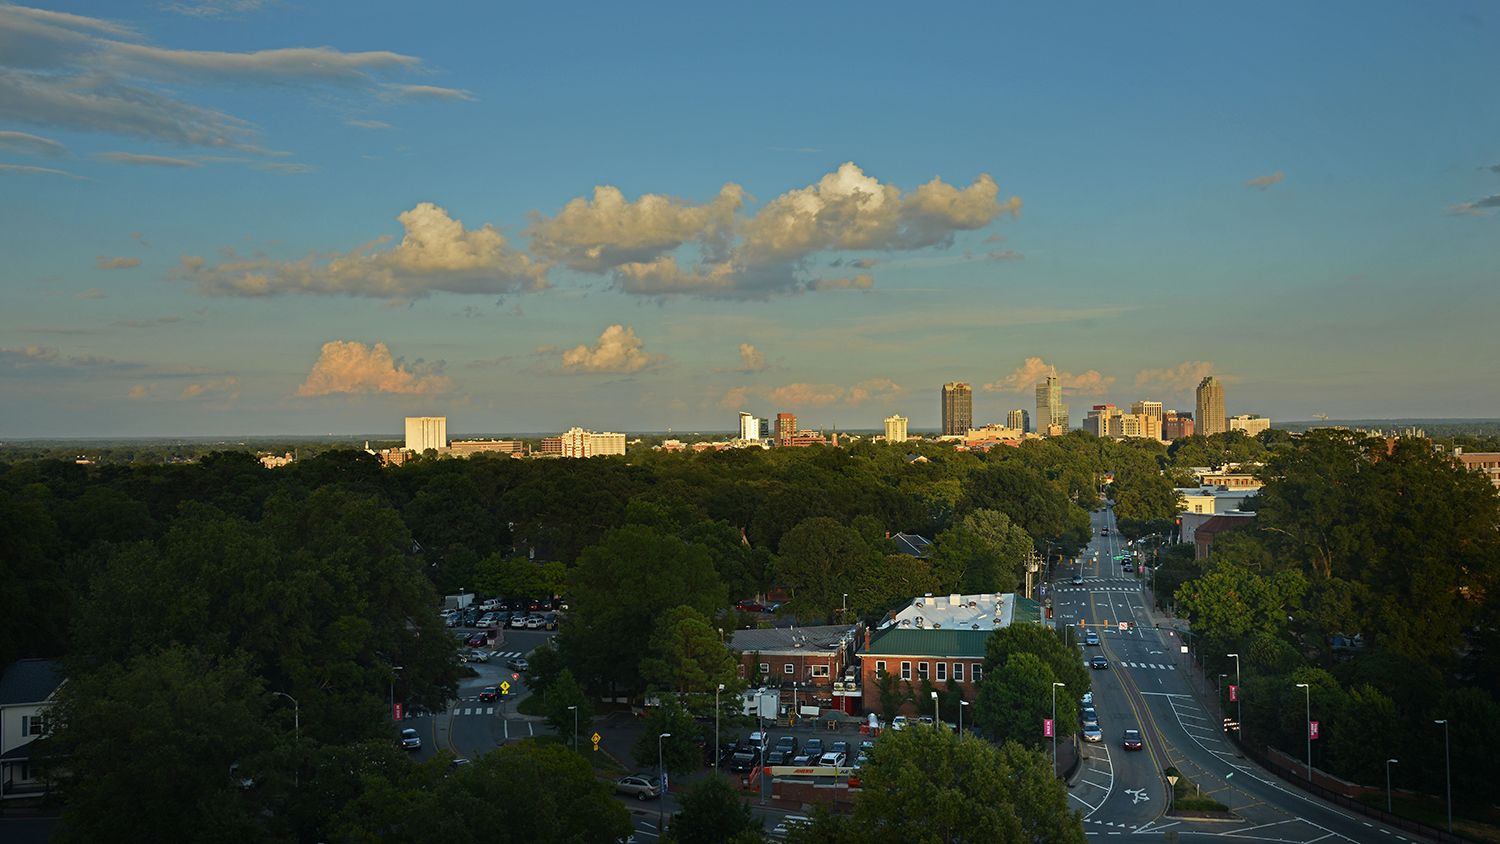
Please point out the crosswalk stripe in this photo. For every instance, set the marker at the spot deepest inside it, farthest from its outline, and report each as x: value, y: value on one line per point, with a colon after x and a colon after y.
x: 490, y: 711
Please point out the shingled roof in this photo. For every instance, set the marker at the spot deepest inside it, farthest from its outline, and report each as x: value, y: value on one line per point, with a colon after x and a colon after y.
x: 30, y: 681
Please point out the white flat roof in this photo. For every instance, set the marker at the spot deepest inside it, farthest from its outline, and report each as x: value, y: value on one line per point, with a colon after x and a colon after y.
x: 984, y: 611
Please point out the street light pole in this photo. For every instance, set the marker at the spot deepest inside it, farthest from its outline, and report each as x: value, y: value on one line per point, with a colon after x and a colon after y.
x: 1055, y: 684
x: 716, y: 727
x: 844, y: 613
x: 296, y: 732
x: 1307, y: 727
x: 575, y: 727
x: 1239, y: 698
x: 961, y: 704
x: 1388, y: 763
x: 937, y: 717
x: 1447, y: 771
x: 661, y: 777
x: 394, y: 669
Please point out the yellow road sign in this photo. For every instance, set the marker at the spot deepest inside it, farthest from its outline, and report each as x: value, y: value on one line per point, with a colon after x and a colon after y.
x: 596, y: 738
x: 505, y: 687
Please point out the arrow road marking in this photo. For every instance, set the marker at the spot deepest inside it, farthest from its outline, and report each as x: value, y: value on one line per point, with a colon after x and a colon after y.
x: 1139, y: 794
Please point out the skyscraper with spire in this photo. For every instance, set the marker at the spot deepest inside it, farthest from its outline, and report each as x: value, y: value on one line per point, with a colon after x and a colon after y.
x: 1210, y: 415
x: 1050, y: 409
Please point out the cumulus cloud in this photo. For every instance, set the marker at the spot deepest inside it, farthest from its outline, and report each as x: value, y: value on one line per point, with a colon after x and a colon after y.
x: 806, y: 395
x: 91, y: 293
x: 226, y: 388
x: 863, y: 281
x: 138, y: 392
x: 751, y: 358
x: 619, y: 350
x: 91, y: 75
x: 1176, y: 379
x: 607, y: 231
x: 735, y: 398
x: 26, y: 144
x: 346, y: 367
x: 148, y: 160
x: 876, y: 389
x: 1476, y: 208
x: 1263, y: 182
x: 118, y: 263
x: 1034, y: 370
x: 213, y: 8
x: 436, y: 254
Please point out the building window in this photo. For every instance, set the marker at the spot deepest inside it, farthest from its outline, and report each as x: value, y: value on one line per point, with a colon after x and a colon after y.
x: 788, y: 668
x: 978, y: 672
x: 905, y: 670
x: 31, y: 725
x: 958, y: 672
x: 922, y: 671
x: 879, y: 668
x: 765, y: 668
x: 820, y: 671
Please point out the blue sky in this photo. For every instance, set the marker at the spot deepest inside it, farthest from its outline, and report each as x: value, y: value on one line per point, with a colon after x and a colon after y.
x: 243, y: 217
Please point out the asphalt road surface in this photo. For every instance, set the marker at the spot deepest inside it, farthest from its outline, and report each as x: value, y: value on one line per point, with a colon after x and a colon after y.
x: 1146, y: 688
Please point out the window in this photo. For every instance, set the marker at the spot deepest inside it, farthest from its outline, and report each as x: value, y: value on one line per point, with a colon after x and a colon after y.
x: 31, y: 725
x: 942, y: 670
x: 958, y: 672
x: 765, y: 668
x: 879, y: 667
x: 820, y: 671
x: 905, y: 670
x: 978, y: 672
x: 788, y: 668
x: 922, y: 670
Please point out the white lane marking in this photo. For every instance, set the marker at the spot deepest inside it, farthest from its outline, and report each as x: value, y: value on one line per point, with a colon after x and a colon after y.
x: 490, y: 711
x: 1087, y: 781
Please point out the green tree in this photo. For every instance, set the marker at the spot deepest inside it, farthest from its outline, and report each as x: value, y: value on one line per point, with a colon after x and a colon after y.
x: 712, y: 812
x: 1047, y: 645
x: 687, y: 654
x: 1014, y: 700
x: 1231, y: 600
x: 818, y: 561
x: 562, y: 697
x: 679, y: 751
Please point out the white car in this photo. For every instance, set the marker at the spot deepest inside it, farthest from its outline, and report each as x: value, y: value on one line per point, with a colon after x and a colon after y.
x: 831, y: 759
x: 491, y: 604
x: 535, y: 622
x: 1092, y: 733
x: 899, y: 722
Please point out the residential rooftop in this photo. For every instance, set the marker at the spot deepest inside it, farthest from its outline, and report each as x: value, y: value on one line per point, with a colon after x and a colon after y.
x: 792, y: 640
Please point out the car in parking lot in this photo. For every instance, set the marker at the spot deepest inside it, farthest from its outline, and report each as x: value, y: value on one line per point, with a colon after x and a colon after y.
x: 489, y: 693
x: 1098, y: 663
x: 535, y: 622
x: 639, y: 787
x: 814, y: 747
x: 410, y: 740
x: 518, y: 620
x: 1132, y: 740
x: 477, y: 655
x: 549, y: 621
x: 1088, y: 715
x: 778, y: 757
x: 490, y: 604
x: 476, y: 639
x: 840, y: 747
x: 899, y: 722
x: 1090, y: 637
x: 750, y: 606
x: 518, y: 664
x: 1087, y: 699
x: 1093, y: 734
x: 743, y: 760
x: 788, y: 746
x: 831, y: 759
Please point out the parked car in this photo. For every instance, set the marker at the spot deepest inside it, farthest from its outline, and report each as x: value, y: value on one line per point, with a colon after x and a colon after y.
x: 831, y: 760
x: 750, y: 606
x: 489, y: 693
x: 519, y: 664
x: 410, y: 740
x: 535, y: 622
x: 778, y: 757
x: 787, y: 744
x: 899, y: 722
x: 1092, y: 734
x: 1090, y: 638
x: 866, y: 746
x: 518, y: 621
x: 804, y: 758
x: 743, y: 760
x: 549, y: 621
x: 476, y: 639
x: 1132, y: 740
x: 491, y: 604
x: 642, y: 788
x: 1104, y: 531
x: 773, y: 606
x: 814, y: 747
x: 840, y: 747
x: 1099, y: 663
x: 1087, y: 699
x: 1088, y: 714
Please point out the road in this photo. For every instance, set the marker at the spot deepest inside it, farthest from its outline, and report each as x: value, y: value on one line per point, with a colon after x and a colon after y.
x: 1146, y: 688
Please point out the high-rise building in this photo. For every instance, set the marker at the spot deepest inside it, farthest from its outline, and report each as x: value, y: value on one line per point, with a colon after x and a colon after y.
x: 786, y: 427
x: 895, y: 429
x: 424, y: 432
x: 576, y: 442
x: 958, y: 408
x: 1151, y: 411
x: 1175, y: 426
x: 1019, y: 419
x: 749, y: 426
x: 1050, y: 409
x: 1210, y: 411
x: 765, y: 428
x: 1251, y: 424
x: 1098, y: 421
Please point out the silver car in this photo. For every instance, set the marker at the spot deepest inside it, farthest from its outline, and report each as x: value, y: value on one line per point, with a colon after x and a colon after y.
x: 1093, y: 733
x: 644, y: 788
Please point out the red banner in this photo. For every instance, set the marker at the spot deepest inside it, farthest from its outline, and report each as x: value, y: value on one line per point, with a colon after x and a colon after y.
x: 396, y: 712
x: 1234, y: 693
x: 1312, y: 729
x: 1047, y: 728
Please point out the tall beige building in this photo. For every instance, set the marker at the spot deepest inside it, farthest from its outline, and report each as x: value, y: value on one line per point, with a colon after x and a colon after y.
x: 1151, y: 412
x: 958, y: 408
x: 1210, y: 415
x: 895, y: 429
x: 577, y: 442
x: 424, y: 432
x: 1019, y: 418
x: 1251, y: 424
x: 1050, y: 409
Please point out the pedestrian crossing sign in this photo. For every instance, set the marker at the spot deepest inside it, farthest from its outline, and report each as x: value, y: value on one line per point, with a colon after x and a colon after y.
x: 505, y: 687
x: 596, y: 737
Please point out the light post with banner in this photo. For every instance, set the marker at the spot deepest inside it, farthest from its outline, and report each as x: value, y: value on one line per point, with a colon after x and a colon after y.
x: 1050, y: 728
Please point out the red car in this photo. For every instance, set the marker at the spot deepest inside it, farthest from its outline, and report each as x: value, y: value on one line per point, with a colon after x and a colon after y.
x: 750, y: 606
x: 476, y: 640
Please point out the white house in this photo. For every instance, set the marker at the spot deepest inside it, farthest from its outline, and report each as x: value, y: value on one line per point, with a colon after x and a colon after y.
x: 28, y: 687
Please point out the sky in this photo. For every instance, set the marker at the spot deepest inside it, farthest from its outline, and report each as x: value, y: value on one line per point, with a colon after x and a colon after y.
x: 241, y: 217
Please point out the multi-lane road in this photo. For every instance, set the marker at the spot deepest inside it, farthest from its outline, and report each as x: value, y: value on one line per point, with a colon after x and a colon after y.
x: 1146, y: 688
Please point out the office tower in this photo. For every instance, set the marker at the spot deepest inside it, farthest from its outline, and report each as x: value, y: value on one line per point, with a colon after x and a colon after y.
x: 1210, y: 412
x: 749, y: 426
x: 1050, y: 410
x: 1019, y: 419
x: 1175, y: 426
x: 424, y: 432
x: 895, y: 429
x: 1251, y: 424
x: 786, y: 427
x: 765, y: 428
x: 1151, y: 412
x: 958, y: 408
x: 1100, y: 420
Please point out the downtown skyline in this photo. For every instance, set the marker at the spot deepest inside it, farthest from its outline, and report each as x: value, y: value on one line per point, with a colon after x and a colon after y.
x: 522, y: 220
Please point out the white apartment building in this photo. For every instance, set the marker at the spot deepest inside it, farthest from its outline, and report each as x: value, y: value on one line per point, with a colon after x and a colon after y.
x: 895, y: 429
x: 577, y: 442
x: 749, y: 427
x: 424, y: 432
x: 1251, y: 424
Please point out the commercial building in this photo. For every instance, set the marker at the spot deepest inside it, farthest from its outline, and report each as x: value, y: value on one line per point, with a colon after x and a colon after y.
x: 1487, y: 462
x: 1212, y: 500
x: 424, y: 432
x: 817, y: 663
x: 1210, y: 411
x: 895, y: 429
x: 576, y: 442
x: 28, y: 688
x: 1019, y: 418
x: 1152, y: 413
x: 992, y: 434
x: 1097, y: 422
x: 786, y: 427
x: 749, y: 427
x: 1051, y: 412
x: 1175, y: 426
x: 1251, y: 424
x: 468, y: 448
x: 958, y: 408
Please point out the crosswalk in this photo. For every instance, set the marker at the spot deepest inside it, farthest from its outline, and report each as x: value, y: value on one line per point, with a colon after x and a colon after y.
x: 508, y: 654
x: 1151, y: 665
x: 473, y: 710
x: 1133, y: 589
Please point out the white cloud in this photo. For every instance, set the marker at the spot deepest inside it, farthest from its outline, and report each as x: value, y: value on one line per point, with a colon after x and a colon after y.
x: 876, y: 389
x: 31, y: 145
x: 424, y: 92
x: 346, y: 367
x: 805, y: 395
x: 608, y: 230
x: 213, y: 8
x: 120, y: 263
x: 619, y: 350
x: 148, y: 160
x: 751, y: 358
x: 138, y: 392
x: 367, y: 124
x: 1180, y: 378
x: 1263, y: 182
x: 227, y: 388
x: 1024, y: 378
x: 735, y: 398
x: 91, y: 293
x: 436, y: 254
x: 37, y: 171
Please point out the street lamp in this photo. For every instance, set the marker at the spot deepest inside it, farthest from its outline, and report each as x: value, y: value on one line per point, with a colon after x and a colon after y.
x: 1220, y: 699
x: 843, y: 613
x: 937, y: 717
x: 661, y: 775
x: 1055, y: 685
x: 961, y: 704
x: 1239, y: 698
x: 1447, y: 771
x: 394, y: 669
x: 574, y: 710
x: 716, y: 727
x: 1307, y: 727
x: 1388, y: 764
x: 296, y: 730
x: 795, y: 685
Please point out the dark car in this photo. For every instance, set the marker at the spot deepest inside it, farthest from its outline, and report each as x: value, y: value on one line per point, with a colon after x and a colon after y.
x: 550, y: 621
x: 1132, y: 740
x: 788, y: 745
x: 489, y: 693
x: 476, y: 639
x: 742, y: 761
x: 1099, y: 663
x: 814, y: 747
x: 1104, y: 531
x: 778, y: 757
